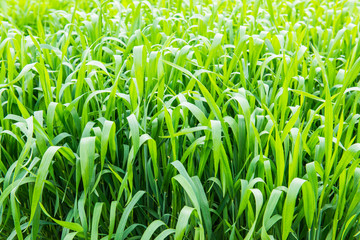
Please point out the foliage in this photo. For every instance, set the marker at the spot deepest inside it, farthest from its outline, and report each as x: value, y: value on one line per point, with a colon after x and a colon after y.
x: 181, y: 119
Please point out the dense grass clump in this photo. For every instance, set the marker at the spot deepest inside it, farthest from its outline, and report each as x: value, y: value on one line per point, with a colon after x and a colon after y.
x: 181, y: 119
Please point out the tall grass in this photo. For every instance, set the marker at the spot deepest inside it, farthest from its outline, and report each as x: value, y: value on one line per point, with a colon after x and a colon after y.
x: 180, y: 119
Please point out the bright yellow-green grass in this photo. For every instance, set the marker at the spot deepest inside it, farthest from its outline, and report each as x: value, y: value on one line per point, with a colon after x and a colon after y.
x: 179, y: 119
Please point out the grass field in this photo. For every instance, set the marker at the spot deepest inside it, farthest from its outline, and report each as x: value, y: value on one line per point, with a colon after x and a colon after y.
x: 179, y: 119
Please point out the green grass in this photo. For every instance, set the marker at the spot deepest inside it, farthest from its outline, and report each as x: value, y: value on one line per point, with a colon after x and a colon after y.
x: 180, y: 119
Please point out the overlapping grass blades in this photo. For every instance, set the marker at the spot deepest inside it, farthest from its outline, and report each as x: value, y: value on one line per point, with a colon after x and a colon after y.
x: 180, y: 119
